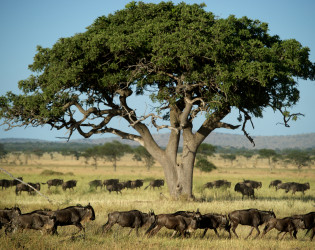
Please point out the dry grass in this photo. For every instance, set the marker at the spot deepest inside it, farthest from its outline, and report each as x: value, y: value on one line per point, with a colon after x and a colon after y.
x: 222, y: 201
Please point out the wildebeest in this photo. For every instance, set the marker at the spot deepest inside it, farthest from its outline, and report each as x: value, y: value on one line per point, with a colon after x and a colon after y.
x: 309, y: 222
x: 217, y: 184
x: 34, y: 221
x: 110, y: 182
x: 23, y: 187
x: 115, y: 188
x: 15, y: 181
x: 96, y: 184
x: 299, y: 187
x: 133, y: 219
x: 275, y: 183
x: 136, y: 184
x: 155, y: 183
x: 253, y: 184
x: 214, y: 221
x: 286, y: 225
x: 69, y: 184
x: 244, y: 189
x: 73, y: 215
x: 285, y: 186
x: 126, y: 184
x: 4, y: 183
x: 250, y: 217
x: 179, y: 223
x: 54, y: 182
x: 7, y: 214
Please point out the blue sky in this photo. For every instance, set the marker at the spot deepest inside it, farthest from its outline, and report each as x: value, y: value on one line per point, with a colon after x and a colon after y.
x: 26, y: 24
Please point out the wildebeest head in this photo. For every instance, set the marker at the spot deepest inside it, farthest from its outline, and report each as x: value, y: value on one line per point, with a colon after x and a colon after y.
x: 89, y: 213
x: 267, y: 215
x: 195, y: 221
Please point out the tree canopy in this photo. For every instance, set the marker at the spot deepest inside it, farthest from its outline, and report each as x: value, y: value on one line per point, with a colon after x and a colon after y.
x: 190, y: 62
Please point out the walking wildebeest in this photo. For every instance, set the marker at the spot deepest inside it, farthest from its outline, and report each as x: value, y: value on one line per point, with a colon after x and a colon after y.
x: 133, y: 219
x: 23, y: 187
x: 299, y: 187
x: 69, y: 184
x: 217, y: 184
x: 179, y: 223
x: 34, y: 221
x: 155, y: 183
x: 285, y: 185
x: 214, y: 221
x: 126, y: 184
x: 73, y: 215
x: 253, y: 184
x: 7, y: 214
x: 286, y: 225
x: 96, y: 183
x: 136, y: 184
x: 115, y: 188
x: 15, y: 181
x: 244, y: 189
x: 4, y: 183
x: 54, y: 182
x: 275, y: 184
x: 110, y: 182
x: 309, y: 222
x: 250, y: 217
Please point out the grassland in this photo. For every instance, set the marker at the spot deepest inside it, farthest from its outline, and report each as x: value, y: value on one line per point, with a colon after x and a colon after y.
x: 220, y: 201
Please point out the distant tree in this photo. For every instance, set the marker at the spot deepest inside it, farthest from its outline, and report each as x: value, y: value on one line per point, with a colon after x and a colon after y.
x: 113, y: 151
x: 230, y: 157
x: 204, y: 165
x: 93, y: 153
x: 206, y: 149
x: 140, y: 153
x: 269, y: 154
x: 3, y: 152
x: 298, y: 158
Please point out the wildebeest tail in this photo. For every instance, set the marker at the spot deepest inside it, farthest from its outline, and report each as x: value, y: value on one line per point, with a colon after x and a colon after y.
x: 147, y: 187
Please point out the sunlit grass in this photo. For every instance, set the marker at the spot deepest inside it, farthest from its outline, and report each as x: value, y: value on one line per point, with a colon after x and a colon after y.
x: 207, y: 200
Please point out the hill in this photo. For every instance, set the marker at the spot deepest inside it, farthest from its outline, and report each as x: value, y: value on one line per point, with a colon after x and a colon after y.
x: 302, y: 141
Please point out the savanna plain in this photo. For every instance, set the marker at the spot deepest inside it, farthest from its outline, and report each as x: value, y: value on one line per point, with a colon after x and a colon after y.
x: 207, y: 201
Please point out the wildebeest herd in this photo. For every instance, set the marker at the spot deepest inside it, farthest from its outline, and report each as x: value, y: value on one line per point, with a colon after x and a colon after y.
x: 182, y: 223
x: 111, y: 185
x: 247, y: 187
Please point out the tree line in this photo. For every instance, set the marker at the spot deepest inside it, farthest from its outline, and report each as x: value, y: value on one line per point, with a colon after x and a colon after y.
x: 114, y: 151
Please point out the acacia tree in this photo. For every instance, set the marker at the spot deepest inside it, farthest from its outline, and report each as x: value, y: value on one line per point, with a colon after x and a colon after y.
x: 141, y: 154
x: 189, y: 61
x: 113, y: 151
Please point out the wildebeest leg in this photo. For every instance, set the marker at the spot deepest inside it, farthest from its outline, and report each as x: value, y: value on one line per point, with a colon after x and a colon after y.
x: 131, y: 230
x: 234, y: 226
x: 313, y: 233
x: 79, y: 225
x: 155, y: 230
x: 216, y: 232
x: 250, y: 233
x: 295, y: 233
x: 258, y: 232
x: 174, y: 233
x: 204, y: 233
x: 283, y: 235
x: 107, y: 226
